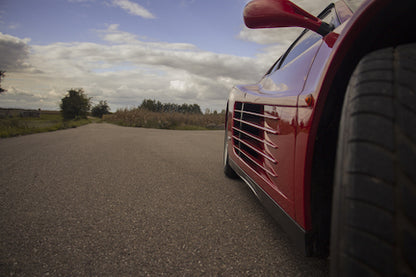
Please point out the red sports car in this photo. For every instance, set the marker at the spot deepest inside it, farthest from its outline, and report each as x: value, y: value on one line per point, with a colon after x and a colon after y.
x: 327, y: 138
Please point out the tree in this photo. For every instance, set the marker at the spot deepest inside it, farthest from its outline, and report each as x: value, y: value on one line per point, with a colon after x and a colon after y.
x: 75, y: 105
x: 100, y: 109
x: 2, y: 75
x: 150, y: 105
x: 157, y: 106
x: 196, y: 109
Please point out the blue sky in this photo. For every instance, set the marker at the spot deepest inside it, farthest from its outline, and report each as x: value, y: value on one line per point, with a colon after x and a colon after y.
x: 49, y: 21
x: 123, y: 51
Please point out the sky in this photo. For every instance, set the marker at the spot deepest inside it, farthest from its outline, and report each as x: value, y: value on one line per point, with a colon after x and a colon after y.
x: 125, y: 51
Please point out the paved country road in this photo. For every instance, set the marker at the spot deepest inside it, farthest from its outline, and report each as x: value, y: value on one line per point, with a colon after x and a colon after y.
x: 103, y: 200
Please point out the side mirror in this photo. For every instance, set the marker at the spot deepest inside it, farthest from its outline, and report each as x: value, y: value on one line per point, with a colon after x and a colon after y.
x: 282, y: 13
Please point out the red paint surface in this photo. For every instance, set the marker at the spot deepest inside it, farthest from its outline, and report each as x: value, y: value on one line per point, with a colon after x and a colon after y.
x: 284, y: 92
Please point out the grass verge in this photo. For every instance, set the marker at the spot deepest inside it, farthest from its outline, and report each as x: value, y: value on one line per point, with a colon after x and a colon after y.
x: 48, y: 122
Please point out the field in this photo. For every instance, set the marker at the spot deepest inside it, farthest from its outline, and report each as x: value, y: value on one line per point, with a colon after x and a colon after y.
x: 166, y: 120
x: 14, y: 122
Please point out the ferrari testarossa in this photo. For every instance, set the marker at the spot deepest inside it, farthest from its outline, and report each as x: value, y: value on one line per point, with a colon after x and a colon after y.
x: 327, y: 138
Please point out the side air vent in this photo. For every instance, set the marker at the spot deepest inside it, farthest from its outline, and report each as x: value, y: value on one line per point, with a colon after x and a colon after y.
x: 250, y: 136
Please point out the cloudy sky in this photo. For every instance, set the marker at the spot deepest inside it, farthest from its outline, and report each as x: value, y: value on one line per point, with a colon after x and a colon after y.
x: 124, y: 51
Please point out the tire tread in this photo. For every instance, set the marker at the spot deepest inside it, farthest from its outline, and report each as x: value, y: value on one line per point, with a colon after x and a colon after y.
x: 406, y: 144
x: 376, y: 176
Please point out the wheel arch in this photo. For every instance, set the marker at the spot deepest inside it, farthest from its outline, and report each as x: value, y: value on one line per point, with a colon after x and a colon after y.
x: 382, y: 20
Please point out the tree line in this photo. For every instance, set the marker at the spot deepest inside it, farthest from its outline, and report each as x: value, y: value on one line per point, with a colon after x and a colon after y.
x: 157, y: 106
x: 76, y: 105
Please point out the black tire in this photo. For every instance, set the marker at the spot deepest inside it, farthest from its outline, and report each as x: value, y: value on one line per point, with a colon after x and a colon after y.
x: 373, y: 230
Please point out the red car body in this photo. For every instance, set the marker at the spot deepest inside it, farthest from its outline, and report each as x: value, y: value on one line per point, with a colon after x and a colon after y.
x: 281, y: 133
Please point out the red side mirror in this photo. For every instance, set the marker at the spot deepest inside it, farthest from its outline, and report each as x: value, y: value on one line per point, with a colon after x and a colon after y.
x: 281, y: 13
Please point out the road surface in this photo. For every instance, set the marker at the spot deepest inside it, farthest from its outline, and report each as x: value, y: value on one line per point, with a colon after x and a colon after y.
x: 103, y: 200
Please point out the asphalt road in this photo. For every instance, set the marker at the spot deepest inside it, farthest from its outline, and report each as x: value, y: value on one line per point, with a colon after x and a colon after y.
x: 103, y: 200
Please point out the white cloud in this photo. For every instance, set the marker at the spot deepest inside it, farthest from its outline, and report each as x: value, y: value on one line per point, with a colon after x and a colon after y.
x: 115, y: 36
x: 283, y: 36
x: 313, y: 7
x: 133, y: 8
x: 14, y: 52
x: 179, y: 85
x: 186, y: 3
x: 126, y: 72
x: 14, y: 26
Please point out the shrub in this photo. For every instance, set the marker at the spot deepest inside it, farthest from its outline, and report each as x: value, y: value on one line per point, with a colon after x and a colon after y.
x: 100, y: 109
x: 75, y: 105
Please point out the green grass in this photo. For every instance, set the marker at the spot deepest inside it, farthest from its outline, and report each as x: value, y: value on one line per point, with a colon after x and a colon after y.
x: 47, y: 122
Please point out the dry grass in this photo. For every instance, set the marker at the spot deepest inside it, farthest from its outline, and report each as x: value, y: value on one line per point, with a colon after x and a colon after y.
x: 169, y: 120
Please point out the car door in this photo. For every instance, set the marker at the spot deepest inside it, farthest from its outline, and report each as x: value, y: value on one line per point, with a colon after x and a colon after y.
x: 276, y: 98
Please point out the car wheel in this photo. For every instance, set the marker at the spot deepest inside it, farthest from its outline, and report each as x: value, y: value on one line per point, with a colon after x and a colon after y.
x: 373, y: 230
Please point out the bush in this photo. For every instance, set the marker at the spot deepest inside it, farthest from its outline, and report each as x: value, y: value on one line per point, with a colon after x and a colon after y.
x: 100, y: 109
x: 75, y: 105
